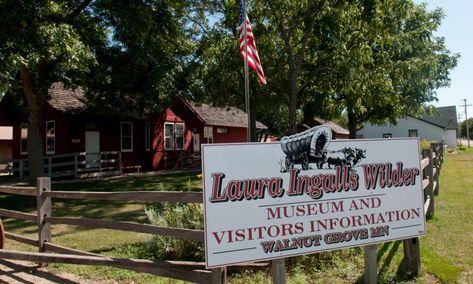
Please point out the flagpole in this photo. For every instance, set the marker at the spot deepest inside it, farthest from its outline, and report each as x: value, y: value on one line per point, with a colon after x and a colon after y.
x: 247, y: 77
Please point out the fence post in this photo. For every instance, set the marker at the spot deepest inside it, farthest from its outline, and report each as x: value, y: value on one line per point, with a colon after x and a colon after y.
x: 50, y: 166
x: 429, y: 191
x: 44, y: 210
x: 371, y: 264
x: 279, y: 271
x: 22, y: 169
x: 437, y: 165
x: 217, y: 275
x: 76, y: 165
x: 412, y: 256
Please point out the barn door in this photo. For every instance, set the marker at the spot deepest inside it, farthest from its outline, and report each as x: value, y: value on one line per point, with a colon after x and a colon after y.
x: 92, y: 149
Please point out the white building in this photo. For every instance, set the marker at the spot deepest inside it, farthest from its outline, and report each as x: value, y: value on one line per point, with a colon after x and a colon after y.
x: 439, y: 126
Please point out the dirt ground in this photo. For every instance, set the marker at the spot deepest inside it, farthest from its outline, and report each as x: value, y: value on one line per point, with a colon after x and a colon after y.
x: 12, y: 271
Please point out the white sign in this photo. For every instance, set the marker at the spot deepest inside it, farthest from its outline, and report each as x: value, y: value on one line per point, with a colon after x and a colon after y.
x: 308, y: 194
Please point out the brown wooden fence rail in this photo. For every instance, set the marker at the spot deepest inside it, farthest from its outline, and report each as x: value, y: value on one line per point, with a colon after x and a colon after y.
x: 50, y: 252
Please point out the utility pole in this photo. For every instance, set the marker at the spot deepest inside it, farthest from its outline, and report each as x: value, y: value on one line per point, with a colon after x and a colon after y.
x: 466, y: 122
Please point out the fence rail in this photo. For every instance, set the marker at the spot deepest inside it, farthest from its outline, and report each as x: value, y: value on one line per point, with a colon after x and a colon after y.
x: 75, y: 165
x: 183, y: 270
x: 431, y: 164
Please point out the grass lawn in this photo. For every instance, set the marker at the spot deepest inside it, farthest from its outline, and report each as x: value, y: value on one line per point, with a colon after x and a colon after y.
x: 446, y: 250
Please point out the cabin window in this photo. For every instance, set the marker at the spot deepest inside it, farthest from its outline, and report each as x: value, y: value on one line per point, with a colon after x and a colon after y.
x: 208, y: 135
x: 126, y: 134
x: 222, y: 130
x: 50, y: 137
x: 387, y: 135
x: 24, y: 139
x: 147, y: 136
x: 413, y: 133
x: 174, y: 136
x: 179, y: 128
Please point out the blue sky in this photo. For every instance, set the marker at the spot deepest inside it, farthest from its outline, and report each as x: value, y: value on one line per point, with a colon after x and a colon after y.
x: 457, y: 28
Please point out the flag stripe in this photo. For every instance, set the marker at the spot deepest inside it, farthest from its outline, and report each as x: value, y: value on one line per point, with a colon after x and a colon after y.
x: 253, y: 58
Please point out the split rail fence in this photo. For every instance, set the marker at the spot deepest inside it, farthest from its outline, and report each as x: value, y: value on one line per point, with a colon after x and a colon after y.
x: 183, y: 270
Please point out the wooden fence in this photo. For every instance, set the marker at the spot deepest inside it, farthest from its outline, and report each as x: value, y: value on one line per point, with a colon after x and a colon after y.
x: 74, y: 165
x: 431, y: 165
x: 184, y: 270
x: 51, y: 252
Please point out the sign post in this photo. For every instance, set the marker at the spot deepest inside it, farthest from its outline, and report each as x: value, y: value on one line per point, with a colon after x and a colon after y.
x: 308, y: 194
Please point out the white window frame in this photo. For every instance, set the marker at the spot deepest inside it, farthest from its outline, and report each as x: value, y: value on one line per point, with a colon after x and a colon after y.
x: 24, y: 140
x: 208, y: 134
x: 176, y: 137
x: 50, y: 137
x: 147, y: 136
x: 223, y: 130
x: 130, y: 137
x: 173, y: 136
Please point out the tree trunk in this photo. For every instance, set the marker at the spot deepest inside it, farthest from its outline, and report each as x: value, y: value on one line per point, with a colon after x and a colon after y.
x: 35, y: 145
x: 352, y: 124
x: 35, y: 100
x: 293, y: 104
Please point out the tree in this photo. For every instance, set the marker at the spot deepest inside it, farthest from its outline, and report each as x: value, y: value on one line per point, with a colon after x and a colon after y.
x: 128, y: 48
x: 376, y: 60
x: 392, y: 63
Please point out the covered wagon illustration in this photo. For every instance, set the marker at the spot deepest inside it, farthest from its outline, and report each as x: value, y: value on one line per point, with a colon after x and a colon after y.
x: 306, y: 147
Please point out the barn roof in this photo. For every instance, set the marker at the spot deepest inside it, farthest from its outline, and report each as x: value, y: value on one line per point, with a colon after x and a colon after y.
x: 222, y: 116
x: 445, y: 117
x: 66, y: 100
x: 335, y: 127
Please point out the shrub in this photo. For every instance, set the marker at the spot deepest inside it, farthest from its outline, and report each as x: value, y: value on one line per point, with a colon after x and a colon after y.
x: 176, y: 215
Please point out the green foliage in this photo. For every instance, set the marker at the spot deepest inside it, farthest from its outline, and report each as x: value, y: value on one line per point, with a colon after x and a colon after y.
x: 176, y: 215
x: 377, y: 60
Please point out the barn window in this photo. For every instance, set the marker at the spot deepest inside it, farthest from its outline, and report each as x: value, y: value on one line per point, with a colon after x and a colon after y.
x: 413, y: 133
x: 179, y: 128
x: 147, y: 136
x: 126, y: 133
x: 222, y: 130
x: 208, y: 135
x: 50, y: 137
x: 174, y: 136
x: 24, y: 139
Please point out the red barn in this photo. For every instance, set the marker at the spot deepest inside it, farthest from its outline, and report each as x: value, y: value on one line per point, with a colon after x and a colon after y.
x: 170, y: 139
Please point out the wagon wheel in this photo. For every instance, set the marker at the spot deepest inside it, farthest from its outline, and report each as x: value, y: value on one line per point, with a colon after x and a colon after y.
x: 2, y: 234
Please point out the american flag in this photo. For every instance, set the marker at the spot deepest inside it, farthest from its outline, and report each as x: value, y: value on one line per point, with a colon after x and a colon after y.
x: 253, y: 58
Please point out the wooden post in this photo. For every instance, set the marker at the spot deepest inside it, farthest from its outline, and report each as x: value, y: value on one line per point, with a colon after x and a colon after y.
x: 437, y: 165
x: 44, y: 210
x: 371, y: 264
x: 50, y: 166
x: 76, y: 165
x: 22, y: 169
x: 217, y: 277
x: 279, y: 271
x: 412, y: 256
x: 428, y: 191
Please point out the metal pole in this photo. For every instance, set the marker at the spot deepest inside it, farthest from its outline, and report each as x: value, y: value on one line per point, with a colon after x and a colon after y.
x: 247, y: 77
x: 466, y: 121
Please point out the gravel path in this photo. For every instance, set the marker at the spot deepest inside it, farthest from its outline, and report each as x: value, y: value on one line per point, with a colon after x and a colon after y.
x: 12, y: 271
